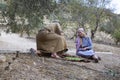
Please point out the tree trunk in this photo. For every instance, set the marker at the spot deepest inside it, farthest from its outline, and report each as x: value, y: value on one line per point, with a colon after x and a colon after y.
x: 28, y: 33
x: 21, y: 34
x: 21, y: 31
x: 96, y: 27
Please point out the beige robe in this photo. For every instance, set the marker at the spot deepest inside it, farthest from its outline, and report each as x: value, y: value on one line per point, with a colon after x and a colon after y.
x: 50, y: 39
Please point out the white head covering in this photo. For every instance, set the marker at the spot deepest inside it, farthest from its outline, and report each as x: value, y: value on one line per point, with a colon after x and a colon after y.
x: 80, y: 30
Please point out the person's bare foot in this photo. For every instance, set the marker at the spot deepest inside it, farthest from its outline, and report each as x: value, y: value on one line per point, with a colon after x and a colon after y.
x: 38, y: 53
x: 54, y: 55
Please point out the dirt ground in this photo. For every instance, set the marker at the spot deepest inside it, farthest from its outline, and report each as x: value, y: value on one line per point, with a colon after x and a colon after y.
x: 33, y: 67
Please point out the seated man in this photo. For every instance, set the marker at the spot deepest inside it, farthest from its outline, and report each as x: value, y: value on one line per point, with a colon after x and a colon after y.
x: 84, y: 46
x: 50, y: 40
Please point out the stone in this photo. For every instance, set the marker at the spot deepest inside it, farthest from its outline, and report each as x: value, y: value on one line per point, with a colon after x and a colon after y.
x: 2, y: 58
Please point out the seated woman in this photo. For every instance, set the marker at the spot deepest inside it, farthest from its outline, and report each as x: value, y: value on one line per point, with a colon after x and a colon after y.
x: 84, y: 46
x: 50, y: 40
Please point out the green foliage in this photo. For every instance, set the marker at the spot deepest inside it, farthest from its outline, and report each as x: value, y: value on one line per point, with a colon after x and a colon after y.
x: 83, y: 13
x: 111, y: 24
x: 3, y: 7
x: 107, y: 27
x: 32, y: 10
x: 116, y: 35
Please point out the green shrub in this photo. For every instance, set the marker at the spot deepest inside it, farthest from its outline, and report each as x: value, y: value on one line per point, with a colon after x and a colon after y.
x: 116, y: 36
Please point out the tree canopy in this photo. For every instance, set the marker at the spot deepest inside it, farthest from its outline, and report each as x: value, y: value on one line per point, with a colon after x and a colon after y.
x: 32, y: 11
x: 27, y: 15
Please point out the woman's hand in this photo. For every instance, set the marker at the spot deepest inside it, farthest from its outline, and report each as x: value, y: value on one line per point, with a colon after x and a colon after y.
x: 84, y: 48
